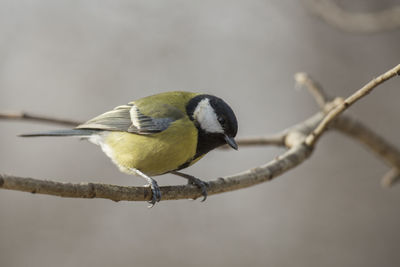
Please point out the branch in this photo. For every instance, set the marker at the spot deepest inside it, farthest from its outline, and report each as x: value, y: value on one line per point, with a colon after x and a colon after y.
x: 377, y: 144
x: 290, y: 159
x: 274, y: 140
x: 342, y: 105
x: 390, y: 178
x: 357, y: 130
x: 303, y: 79
x: 30, y: 117
x: 277, y: 140
x: 294, y: 138
x: 371, y: 22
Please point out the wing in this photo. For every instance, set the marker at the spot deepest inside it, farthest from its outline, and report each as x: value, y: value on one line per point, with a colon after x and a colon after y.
x: 129, y: 118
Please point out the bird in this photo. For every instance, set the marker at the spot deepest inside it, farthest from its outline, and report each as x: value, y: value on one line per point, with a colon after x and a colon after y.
x: 159, y: 134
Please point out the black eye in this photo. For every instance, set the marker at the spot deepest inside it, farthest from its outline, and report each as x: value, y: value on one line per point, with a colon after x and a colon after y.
x: 221, y: 120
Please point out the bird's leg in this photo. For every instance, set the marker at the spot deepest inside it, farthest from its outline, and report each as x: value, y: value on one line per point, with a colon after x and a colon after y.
x: 156, y: 193
x: 195, y: 181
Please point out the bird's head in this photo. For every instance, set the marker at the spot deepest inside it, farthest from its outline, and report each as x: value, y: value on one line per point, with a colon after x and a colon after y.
x: 215, y: 121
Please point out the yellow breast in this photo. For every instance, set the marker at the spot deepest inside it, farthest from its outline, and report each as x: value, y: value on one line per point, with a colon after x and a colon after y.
x: 154, y: 154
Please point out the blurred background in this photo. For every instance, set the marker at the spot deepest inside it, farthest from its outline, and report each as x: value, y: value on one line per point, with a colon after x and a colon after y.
x: 76, y: 59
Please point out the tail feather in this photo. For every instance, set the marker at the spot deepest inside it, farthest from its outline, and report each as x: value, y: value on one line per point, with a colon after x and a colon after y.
x: 69, y: 132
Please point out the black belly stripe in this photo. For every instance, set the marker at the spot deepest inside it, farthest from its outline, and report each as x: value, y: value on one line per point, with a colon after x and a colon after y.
x: 205, y: 143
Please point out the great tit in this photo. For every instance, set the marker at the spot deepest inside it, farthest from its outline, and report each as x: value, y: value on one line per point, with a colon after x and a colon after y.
x: 160, y: 134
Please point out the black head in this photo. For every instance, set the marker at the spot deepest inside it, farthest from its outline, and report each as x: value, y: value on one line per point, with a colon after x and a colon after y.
x: 215, y: 121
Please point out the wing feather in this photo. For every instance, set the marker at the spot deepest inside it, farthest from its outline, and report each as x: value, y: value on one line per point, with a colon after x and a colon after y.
x: 129, y: 118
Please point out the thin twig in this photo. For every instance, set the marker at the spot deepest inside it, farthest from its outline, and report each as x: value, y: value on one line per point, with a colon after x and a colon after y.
x: 377, y: 144
x: 344, y: 104
x: 368, y: 22
x: 390, y: 178
x: 272, y: 140
x: 277, y: 140
x: 303, y: 79
x: 357, y: 130
x: 31, y: 117
x: 352, y: 127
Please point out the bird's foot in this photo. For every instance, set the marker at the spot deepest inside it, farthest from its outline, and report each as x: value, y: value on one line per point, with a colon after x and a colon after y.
x: 156, y: 193
x: 202, y: 185
x: 155, y: 189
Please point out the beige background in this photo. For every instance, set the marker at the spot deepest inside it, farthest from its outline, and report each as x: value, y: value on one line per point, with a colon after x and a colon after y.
x: 76, y: 59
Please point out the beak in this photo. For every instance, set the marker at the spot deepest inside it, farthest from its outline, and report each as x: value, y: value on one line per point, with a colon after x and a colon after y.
x: 231, y: 142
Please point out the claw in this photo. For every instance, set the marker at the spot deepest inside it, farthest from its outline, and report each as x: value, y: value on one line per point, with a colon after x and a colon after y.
x: 155, y: 190
x: 195, y: 181
x: 200, y: 184
x: 156, y: 193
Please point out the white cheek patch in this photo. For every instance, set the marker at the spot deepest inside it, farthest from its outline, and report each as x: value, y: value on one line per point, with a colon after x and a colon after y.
x: 205, y: 115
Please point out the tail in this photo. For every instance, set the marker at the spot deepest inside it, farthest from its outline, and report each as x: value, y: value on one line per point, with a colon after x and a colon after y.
x: 69, y: 132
